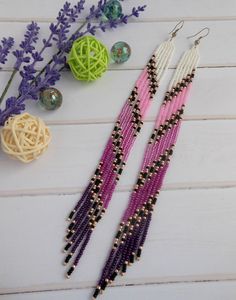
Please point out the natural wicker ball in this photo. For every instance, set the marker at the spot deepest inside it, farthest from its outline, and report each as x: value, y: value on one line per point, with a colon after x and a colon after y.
x: 25, y: 137
x: 88, y: 58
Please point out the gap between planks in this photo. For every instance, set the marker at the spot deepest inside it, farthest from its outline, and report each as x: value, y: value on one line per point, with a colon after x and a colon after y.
x: 148, y: 120
x: 142, y: 20
x: 103, y: 121
x: 139, y: 68
x: 124, y: 189
x: 140, y: 282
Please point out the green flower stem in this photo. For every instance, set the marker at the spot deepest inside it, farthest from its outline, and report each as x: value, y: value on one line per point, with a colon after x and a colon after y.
x: 50, y: 61
x: 8, y: 85
x: 40, y: 72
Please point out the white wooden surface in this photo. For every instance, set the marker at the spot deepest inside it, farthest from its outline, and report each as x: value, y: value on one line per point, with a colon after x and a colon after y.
x: 191, y: 248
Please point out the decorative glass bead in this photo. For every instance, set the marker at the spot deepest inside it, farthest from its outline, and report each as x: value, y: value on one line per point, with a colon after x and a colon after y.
x: 112, y: 10
x: 50, y: 98
x: 120, y: 52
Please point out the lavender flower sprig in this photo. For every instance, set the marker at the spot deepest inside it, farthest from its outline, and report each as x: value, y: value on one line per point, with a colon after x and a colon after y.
x: 30, y: 84
x: 114, y: 23
x: 27, y: 45
x: 66, y: 16
x: 23, y: 55
x: 5, y: 47
x: 95, y: 12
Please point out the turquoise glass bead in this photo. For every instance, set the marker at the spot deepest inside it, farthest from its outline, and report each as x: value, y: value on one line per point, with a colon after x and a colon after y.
x: 112, y: 10
x: 120, y: 52
x: 50, y: 98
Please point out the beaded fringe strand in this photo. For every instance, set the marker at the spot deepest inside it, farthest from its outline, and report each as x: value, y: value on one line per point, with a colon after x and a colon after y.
x: 94, y: 202
x: 132, y: 231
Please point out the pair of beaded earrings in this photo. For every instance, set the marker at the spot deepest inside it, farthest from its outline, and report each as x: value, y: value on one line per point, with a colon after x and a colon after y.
x: 133, y: 228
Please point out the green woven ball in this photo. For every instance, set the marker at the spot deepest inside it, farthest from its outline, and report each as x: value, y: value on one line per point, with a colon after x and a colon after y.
x: 88, y: 58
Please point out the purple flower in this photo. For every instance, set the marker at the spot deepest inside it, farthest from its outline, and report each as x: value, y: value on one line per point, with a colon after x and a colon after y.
x: 11, y: 102
x: 136, y: 11
x: 6, y: 45
x: 31, y: 37
x: 27, y: 45
x: 66, y: 16
x: 59, y: 31
x: 31, y: 83
x: 96, y: 11
x: 110, y: 24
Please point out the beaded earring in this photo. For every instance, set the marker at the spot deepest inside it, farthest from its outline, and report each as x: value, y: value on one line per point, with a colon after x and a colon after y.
x: 96, y: 197
x: 132, y: 231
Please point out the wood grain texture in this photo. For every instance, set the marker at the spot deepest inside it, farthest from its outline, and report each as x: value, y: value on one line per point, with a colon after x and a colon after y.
x: 157, y: 9
x: 200, y: 157
x: 101, y: 101
x: 191, y: 250
x: 180, y: 291
x: 217, y: 49
x: 190, y: 240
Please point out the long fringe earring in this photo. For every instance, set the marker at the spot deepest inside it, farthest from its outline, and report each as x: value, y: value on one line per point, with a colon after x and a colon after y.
x: 132, y: 232
x: 95, y: 199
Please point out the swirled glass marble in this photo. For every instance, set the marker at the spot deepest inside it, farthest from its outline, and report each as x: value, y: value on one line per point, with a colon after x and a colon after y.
x: 120, y: 52
x: 50, y: 98
x: 112, y: 10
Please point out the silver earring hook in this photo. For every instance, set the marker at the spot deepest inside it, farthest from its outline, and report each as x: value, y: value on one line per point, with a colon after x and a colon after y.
x: 197, y: 41
x: 177, y: 27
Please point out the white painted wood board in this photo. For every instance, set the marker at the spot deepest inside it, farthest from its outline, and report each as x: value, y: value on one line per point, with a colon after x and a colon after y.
x: 217, y: 50
x: 190, y: 251
x: 157, y: 9
x: 189, y: 240
x: 179, y: 291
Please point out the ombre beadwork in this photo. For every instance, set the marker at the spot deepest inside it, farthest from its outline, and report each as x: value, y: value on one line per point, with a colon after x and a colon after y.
x: 133, y: 228
x: 96, y: 197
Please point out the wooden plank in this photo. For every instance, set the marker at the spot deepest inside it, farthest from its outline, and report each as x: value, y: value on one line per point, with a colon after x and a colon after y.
x: 213, y: 49
x: 200, y: 157
x: 190, y: 239
x: 102, y: 100
x: 157, y: 9
x: 183, y: 291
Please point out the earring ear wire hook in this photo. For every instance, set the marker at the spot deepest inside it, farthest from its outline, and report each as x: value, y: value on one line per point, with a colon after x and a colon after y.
x: 177, y: 27
x: 197, y: 41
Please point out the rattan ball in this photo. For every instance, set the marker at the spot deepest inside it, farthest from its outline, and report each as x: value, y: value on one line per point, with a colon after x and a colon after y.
x: 25, y: 137
x: 88, y: 59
